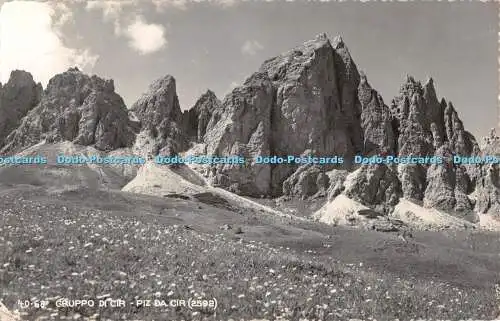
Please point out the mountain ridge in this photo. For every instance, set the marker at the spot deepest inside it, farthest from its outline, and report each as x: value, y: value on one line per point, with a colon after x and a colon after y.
x: 310, y: 100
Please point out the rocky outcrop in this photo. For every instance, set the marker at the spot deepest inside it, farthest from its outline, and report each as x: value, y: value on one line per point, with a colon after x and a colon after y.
x: 78, y: 108
x: 17, y: 97
x: 488, y: 181
x: 448, y: 186
x: 460, y: 141
x: 488, y: 190
x: 242, y: 126
x: 303, y: 100
x: 376, y: 121
x: 426, y: 127
x: 311, y: 100
x: 196, y: 119
x: 410, y: 110
x: 316, y: 106
x: 348, y: 81
x: 336, y: 179
x: 160, y: 116
x: 417, y: 124
x: 375, y: 185
x: 306, y: 181
x: 421, y: 125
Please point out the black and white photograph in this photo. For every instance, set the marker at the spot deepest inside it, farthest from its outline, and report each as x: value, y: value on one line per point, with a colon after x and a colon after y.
x: 227, y: 160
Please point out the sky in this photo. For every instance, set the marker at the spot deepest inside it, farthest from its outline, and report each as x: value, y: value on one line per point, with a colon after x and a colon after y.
x: 216, y: 45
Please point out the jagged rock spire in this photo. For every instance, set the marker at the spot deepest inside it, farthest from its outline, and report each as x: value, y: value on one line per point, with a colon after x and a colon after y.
x: 322, y: 36
x: 160, y: 115
x: 338, y: 42
x: 375, y: 120
x: 363, y: 78
x: 197, y: 119
x: 160, y: 101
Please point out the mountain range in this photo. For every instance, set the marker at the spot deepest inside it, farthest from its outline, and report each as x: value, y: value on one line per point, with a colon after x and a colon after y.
x: 310, y: 100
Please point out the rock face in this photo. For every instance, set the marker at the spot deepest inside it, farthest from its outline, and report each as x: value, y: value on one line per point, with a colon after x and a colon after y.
x: 316, y: 107
x: 303, y: 100
x: 313, y: 100
x: 426, y: 127
x: 197, y: 118
x: 336, y: 179
x: 488, y: 182
x: 77, y: 108
x: 17, y: 97
x: 242, y: 126
x: 309, y: 101
x: 160, y: 116
x: 410, y: 111
x: 307, y: 180
x: 376, y: 121
x: 448, y: 186
x: 376, y: 185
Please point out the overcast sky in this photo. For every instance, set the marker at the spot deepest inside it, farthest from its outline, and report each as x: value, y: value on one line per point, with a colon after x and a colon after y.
x: 217, y: 45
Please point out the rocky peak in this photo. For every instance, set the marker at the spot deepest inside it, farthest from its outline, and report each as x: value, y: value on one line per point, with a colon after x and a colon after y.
x: 243, y: 126
x: 75, y: 85
x: 429, y: 87
x: 304, y: 99
x: 376, y: 120
x: 491, y: 139
x: 19, y: 78
x: 290, y: 65
x: 426, y: 127
x: 77, y: 108
x: 461, y: 141
x: 18, y: 96
x: 160, y: 101
x: 322, y: 37
x: 198, y: 117
x: 318, y: 81
x: 208, y: 95
x: 338, y: 42
x: 410, y: 87
x: 419, y: 114
x: 414, y: 137
x: 160, y: 115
